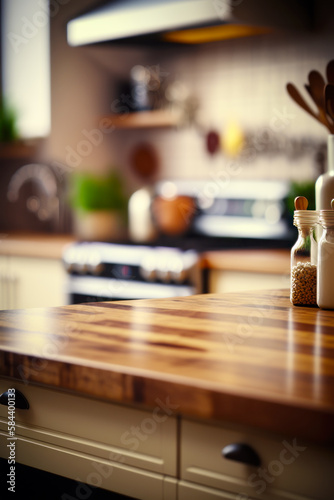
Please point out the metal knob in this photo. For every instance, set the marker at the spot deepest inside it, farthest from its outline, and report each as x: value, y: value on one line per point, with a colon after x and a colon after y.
x: 241, y: 452
x: 21, y: 401
x: 148, y: 265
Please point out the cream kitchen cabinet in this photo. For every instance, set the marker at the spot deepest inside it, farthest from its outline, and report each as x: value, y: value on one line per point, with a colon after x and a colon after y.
x: 152, y: 455
x: 243, y: 270
x: 236, y: 462
x: 191, y: 491
x: 31, y: 282
x: 241, y: 281
x: 123, y: 449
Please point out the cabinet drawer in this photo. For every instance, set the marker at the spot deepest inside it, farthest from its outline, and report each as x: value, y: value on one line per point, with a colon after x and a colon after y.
x: 289, y: 468
x: 90, y: 472
x: 191, y: 491
x: 145, y: 439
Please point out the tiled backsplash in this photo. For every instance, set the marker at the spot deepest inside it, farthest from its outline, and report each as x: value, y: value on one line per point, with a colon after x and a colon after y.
x: 238, y: 81
x: 244, y: 82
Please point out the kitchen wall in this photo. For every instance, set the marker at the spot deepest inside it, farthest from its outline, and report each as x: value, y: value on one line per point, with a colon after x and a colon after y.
x: 243, y: 82
x: 240, y: 81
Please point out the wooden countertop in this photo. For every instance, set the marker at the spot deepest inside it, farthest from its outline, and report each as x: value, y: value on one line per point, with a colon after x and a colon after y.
x: 250, y: 358
x: 37, y: 245
x: 269, y: 261
x: 42, y: 245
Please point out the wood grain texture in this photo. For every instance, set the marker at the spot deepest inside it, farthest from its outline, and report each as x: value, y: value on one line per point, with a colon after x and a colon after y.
x: 142, y: 120
x: 250, y: 358
x: 270, y: 261
x: 38, y: 245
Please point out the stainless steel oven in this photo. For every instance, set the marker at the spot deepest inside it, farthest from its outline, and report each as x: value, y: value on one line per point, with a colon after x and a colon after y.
x: 99, y: 271
x: 234, y: 214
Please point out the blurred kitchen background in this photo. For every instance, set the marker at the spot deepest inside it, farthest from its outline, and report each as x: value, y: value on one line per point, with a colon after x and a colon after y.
x: 208, y: 123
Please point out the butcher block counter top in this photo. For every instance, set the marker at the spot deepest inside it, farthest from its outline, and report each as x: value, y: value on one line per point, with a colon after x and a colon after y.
x: 41, y: 245
x: 37, y: 245
x: 272, y: 261
x: 249, y: 358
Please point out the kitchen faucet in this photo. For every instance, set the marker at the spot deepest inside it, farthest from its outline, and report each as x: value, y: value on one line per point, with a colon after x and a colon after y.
x: 45, y: 203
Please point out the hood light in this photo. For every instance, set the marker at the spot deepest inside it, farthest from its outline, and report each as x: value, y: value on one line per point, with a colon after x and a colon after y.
x: 214, y: 33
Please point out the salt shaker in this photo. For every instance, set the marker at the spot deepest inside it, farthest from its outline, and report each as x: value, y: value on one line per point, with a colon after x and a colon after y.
x: 325, y: 281
x: 303, y: 286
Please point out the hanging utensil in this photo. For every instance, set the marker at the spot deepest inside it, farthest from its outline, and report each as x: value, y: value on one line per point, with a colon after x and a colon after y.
x: 297, y: 97
x: 317, y: 83
x: 316, y: 90
x: 329, y: 101
x: 330, y: 72
x: 144, y: 161
x: 212, y: 142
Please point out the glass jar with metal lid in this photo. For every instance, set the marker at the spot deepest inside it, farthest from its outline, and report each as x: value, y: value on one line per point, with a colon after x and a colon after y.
x: 325, y: 282
x: 303, y: 286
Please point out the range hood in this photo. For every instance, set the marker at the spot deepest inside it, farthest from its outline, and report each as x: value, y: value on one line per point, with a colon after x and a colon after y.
x: 184, y: 21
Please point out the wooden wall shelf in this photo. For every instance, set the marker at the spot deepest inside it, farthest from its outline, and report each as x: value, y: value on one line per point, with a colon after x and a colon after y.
x: 145, y: 119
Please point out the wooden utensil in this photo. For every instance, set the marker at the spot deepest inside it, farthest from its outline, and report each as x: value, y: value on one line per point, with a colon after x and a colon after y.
x: 329, y: 100
x: 297, y: 97
x: 322, y: 95
x: 317, y: 84
x: 330, y: 72
x: 301, y: 203
x: 144, y: 161
x: 316, y: 90
x: 323, y: 116
x: 212, y: 142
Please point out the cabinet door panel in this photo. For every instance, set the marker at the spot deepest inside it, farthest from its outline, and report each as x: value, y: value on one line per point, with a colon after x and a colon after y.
x: 145, y: 439
x: 238, y: 281
x: 40, y: 282
x: 8, y: 284
x: 289, y: 468
x: 87, y: 469
x: 190, y: 491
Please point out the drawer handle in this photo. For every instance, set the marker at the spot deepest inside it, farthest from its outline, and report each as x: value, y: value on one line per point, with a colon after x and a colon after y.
x: 21, y: 401
x: 241, y: 452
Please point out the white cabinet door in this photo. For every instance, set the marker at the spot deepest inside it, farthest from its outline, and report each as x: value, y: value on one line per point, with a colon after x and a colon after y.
x: 31, y: 282
x: 276, y: 468
x: 7, y: 284
x: 190, y: 491
x: 87, y: 440
x: 242, y: 281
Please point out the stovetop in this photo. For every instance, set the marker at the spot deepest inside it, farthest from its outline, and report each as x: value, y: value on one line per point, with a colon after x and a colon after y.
x: 206, y: 243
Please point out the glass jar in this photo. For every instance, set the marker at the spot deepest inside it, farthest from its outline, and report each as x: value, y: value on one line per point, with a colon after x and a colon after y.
x: 303, y: 286
x: 324, y: 187
x: 325, y: 282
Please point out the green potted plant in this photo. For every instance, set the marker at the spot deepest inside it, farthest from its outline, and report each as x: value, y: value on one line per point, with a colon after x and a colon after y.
x: 100, y: 206
x: 8, y: 123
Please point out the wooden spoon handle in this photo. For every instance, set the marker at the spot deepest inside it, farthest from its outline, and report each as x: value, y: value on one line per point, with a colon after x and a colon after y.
x: 317, y: 84
x: 301, y: 203
x: 323, y: 116
x: 330, y: 72
x: 329, y: 99
x: 320, y: 106
x: 296, y: 96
